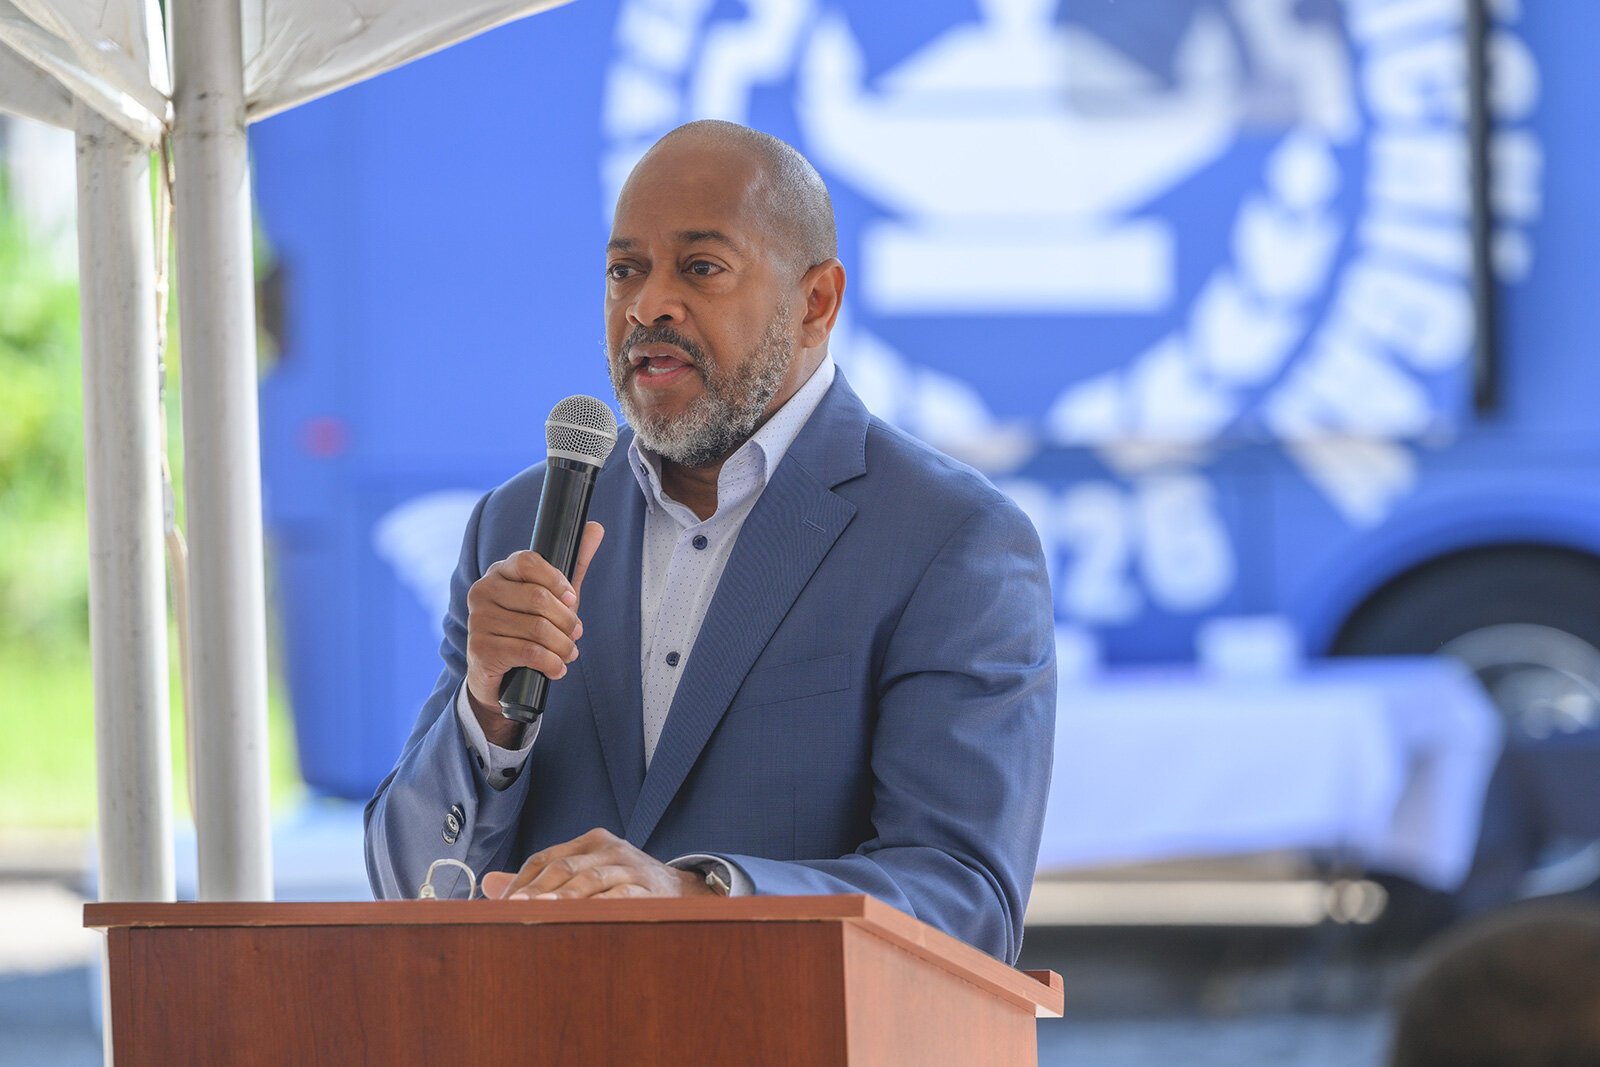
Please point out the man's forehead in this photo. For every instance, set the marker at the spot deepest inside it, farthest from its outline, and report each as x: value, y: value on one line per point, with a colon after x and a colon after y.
x: 621, y: 242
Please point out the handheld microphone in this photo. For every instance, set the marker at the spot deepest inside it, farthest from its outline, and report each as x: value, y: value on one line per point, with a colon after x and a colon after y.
x: 580, y: 434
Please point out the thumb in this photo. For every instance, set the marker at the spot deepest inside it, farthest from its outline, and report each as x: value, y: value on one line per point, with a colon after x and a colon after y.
x: 495, y: 883
x: 593, y: 533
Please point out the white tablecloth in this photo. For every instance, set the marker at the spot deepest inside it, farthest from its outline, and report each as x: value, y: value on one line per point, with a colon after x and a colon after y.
x: 1381, y: 763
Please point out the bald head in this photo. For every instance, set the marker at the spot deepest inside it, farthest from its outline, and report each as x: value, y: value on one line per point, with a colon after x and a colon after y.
x: 794, y: 202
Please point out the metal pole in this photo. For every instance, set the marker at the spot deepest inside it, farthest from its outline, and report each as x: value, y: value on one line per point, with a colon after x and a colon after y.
x: 122, y: 467
x: 222, y: 462
x: 1480, y: 140
x: 122, y: 475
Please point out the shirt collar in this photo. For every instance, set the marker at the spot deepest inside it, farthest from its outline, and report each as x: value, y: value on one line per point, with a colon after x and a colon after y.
x: 748, y: 470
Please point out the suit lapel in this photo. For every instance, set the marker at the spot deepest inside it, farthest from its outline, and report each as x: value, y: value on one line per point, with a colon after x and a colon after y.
x: 610, y: 657
x: 788, y: 532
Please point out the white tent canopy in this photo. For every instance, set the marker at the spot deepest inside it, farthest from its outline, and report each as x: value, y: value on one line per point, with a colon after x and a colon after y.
x: 111, y: 55
x: 109, y: 71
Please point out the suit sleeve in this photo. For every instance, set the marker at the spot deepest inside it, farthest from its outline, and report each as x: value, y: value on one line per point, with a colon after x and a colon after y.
x: 436, y: 803
x: 962, y: 749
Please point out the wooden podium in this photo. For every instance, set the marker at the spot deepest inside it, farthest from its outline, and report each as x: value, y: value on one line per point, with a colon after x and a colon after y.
x: 757, y: 980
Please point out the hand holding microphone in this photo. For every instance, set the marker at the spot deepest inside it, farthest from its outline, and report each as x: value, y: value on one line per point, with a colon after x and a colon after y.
x: 522, y: 622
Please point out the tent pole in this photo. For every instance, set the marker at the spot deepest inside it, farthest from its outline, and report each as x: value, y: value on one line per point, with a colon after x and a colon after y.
x: 122, y: 479
x: 122, y: 465
x: 222, y: 452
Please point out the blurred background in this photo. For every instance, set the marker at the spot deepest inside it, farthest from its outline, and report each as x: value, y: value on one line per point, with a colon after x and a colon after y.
x: 1275, y: 316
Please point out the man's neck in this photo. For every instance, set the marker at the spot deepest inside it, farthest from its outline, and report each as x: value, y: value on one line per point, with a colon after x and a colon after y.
x: 696, y: 487
x: 693, y: 487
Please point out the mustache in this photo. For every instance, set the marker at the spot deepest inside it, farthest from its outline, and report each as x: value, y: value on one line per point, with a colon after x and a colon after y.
x: 664, y: 335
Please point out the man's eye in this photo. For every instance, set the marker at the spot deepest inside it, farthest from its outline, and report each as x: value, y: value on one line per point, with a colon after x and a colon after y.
x: 618, y: 271
x: 704, y: 268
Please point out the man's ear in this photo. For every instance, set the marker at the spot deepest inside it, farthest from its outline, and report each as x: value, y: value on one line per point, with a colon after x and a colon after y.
x: 823, y: 286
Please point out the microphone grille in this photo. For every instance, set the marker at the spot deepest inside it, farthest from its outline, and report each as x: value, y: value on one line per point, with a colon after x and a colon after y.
x: 581, y: 428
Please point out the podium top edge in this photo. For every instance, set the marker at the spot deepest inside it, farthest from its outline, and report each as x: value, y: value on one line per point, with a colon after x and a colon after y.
x: 873, y: 916
x: 196, y: 914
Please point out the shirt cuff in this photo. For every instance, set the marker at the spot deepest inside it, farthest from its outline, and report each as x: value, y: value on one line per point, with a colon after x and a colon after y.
x: 497, y: 767
x: 739, y: 883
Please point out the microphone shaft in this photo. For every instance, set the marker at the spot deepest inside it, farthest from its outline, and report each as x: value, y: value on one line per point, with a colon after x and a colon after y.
x: 557, y: 531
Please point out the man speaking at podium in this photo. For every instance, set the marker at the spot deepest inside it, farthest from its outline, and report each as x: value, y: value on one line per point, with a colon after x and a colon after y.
x: 816, y: 655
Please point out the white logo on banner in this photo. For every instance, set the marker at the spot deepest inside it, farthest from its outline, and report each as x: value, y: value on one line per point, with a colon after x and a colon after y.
x: 970, y: 143
x: 421, y: 540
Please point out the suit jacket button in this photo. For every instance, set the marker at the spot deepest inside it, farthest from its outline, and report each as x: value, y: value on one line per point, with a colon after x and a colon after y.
x: 453, y: 820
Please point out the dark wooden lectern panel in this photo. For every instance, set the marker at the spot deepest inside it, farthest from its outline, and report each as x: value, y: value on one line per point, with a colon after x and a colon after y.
x: 802, y: 980
x: 894, y: 996
x: 480, y: 994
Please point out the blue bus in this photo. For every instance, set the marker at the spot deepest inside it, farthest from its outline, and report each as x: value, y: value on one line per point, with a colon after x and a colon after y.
x: 1277, y: 321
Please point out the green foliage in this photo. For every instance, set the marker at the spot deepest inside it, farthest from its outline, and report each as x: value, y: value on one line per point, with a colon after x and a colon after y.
x: 43, y: 540
x: 47, y: 750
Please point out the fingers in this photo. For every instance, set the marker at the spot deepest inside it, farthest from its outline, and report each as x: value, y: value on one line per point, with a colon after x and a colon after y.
x: 491, y: 656
x: 588, y: 844
x: 524, y: 577
x: 597, y: 864
x: 593, y: 534
x: 575, y: 876
x: 521, y: 613
x: 511, y: 599
x: 535, y: 643
x: 586, y: 881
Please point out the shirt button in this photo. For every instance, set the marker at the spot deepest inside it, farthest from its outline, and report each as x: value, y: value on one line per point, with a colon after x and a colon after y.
x: 672, y: 659
x: 699, y: 541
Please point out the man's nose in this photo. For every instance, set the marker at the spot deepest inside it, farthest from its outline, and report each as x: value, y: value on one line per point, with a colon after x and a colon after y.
x: 658, y: 301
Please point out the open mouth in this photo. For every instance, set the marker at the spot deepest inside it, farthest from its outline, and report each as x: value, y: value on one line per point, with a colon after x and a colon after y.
x: 656, y: 363
x: 657, y: 366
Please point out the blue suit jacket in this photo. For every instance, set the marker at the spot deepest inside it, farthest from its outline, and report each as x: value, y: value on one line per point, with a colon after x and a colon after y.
x: 869, y: 706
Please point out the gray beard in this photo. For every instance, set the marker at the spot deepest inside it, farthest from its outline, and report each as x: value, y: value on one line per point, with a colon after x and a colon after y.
x: 725, y: 415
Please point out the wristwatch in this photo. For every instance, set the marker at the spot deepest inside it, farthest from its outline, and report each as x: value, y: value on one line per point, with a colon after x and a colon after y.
x: 716, y: 883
